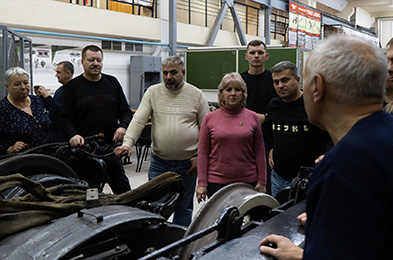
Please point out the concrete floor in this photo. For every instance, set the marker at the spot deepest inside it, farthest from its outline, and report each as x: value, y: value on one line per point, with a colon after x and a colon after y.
x: 138, y: 178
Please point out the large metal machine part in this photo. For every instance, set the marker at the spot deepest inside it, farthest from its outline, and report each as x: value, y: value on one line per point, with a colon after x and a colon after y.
x: 107, y: 232
x: 247, y: 246
x: 252, y: 205
x: 86, y: 163
x: 229, y: 226
x: 30, y: 164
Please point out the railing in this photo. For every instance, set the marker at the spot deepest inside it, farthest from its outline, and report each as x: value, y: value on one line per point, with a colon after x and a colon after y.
x: 279, y: 25
x: 134, y: 6
x: 197, y: 12
x: 204, y: 12
x: 139, y: 7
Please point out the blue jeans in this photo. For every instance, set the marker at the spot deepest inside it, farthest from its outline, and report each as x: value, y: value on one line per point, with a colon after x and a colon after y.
x: 278, y: 183
x: 183, y: 211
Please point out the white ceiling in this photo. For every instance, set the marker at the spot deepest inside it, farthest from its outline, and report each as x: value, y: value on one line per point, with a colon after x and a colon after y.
x: 377, y: 8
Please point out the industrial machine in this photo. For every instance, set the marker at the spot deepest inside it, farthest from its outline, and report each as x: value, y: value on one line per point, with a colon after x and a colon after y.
x: 229, y: 226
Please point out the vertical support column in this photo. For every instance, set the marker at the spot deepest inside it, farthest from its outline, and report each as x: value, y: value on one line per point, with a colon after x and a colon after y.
x: 3, y: 53
x: 172, y: 26
x: 268, y: 12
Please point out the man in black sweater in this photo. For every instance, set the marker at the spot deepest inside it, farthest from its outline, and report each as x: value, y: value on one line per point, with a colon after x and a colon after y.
x: 94, y: 103
x: 291, y: 140
x: 258, y: 80
x: 64, y: 72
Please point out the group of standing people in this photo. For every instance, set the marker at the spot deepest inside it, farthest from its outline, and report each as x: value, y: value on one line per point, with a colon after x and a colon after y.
x: 226, y: 146
x: 263, y: 120
x: 91, y: 103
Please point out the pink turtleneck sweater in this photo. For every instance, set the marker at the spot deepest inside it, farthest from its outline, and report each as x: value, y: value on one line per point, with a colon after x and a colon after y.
x: 231, y: 148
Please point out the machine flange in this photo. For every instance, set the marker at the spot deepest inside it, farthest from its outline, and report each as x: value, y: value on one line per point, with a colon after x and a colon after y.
x: 249, y: 201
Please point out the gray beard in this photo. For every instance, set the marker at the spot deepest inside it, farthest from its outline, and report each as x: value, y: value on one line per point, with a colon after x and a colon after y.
x: 174, y: 87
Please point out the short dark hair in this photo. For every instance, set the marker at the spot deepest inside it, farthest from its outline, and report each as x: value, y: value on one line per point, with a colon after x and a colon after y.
x: 67, y: 66
x: 285, y: 65
x: 256, y: 43
x: 92, y: 48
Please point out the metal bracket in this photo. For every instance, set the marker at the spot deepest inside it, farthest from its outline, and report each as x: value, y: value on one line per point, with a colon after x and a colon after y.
x: 220, y: 16
x: 99, y: 218
x: 228, y: 226
x: 92, y: 198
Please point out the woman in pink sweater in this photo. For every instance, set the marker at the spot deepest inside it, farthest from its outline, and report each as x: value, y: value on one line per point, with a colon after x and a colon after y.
x: 231, y: 147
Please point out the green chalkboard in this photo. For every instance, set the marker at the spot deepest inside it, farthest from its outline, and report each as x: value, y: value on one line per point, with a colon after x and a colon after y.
x: 275, y: 56
x: 205, y: 68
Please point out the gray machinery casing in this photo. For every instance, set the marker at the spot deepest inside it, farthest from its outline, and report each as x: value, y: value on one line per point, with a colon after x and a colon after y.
x: 144, y: 72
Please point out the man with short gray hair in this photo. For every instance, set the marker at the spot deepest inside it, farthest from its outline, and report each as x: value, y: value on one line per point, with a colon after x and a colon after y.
x: 177, y: 109
x: 389, y: 83
x: 350, y: 197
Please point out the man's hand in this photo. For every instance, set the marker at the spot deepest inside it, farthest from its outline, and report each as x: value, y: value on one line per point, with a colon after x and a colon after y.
x: 302, y: 218
x: 121, y: 151
x: 319, y: 159
x: 193, y: 170
x: 271, y: 161
x: 77, y: 140
x: 41, y: 91
x: 17, y: 147
x: 260, y: 188
x: 119, y: 135
x: 201, y: 193
x: 284, y: 249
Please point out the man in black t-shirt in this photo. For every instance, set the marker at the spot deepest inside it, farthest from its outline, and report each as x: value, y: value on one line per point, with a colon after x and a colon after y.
x: 291, y: 140
x: 258, y: 80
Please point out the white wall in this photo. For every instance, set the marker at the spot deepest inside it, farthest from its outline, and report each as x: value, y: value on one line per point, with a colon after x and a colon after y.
x: 386, y: 30
x: 58, y: 16
x: 115, y: 63
x: 363, y: 18
x: 55, y: 16
x: 62, y: 17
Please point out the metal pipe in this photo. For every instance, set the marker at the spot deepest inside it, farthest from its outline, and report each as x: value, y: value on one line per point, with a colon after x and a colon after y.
x: 268, y: 12
x: 205, y: 13
x: 88, y: 37
x: 172, y: 26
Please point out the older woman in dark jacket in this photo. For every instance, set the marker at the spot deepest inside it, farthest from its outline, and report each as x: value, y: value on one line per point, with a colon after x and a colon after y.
x: 23, y: 121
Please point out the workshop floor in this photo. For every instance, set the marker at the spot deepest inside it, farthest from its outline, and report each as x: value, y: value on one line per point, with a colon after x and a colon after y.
x: 138, y: 178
